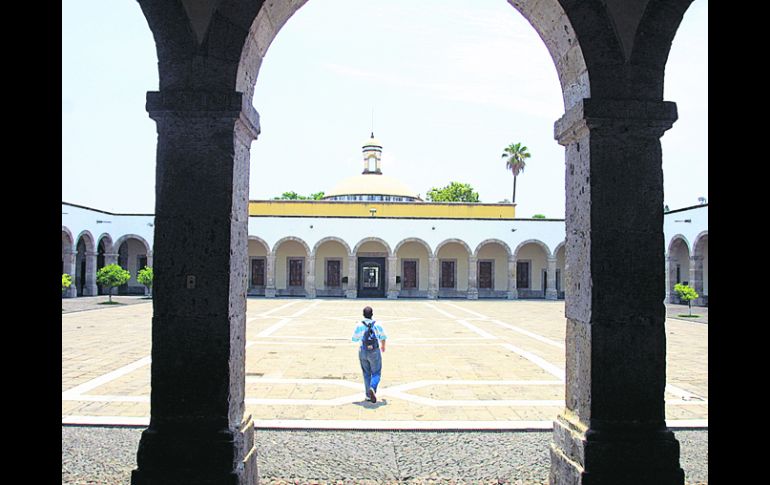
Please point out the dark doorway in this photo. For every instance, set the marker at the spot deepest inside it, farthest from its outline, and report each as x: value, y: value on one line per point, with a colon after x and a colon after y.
x: 82, y: 279
x: 333, y: 270
x: 371, y: 277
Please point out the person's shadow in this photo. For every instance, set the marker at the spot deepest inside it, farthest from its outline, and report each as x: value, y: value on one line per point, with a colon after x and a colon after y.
x: 372, y: 405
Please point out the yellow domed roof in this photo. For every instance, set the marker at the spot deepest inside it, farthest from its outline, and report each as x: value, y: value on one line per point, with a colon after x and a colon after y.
x: 371, y: 184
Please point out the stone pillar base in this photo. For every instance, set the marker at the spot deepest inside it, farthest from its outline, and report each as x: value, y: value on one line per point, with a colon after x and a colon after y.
x: 269, y: 292
x: 432, y: 294
x: 513, y: 295
x: 351, y: 294
x: 582, y: 456
x: 392, y: 294
x: 473, y: 294
x: 185, y: 456
x: 551, y: 294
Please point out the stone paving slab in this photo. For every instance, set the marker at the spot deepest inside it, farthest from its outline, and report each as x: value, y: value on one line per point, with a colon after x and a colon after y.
x: 455, y: 364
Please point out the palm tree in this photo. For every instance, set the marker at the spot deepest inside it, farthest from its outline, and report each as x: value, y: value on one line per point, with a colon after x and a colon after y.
x: 514, y: 155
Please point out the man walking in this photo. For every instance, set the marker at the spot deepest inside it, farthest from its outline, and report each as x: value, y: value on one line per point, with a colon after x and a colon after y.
x: 372, y: 337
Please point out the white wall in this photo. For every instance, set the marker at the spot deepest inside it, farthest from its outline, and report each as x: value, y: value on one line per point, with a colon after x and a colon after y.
x: 393, y: 231
x: 78, y: 219
x: 673, y: 224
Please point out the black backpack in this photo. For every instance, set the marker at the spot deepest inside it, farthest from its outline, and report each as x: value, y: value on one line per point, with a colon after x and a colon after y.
x: 370, y: 340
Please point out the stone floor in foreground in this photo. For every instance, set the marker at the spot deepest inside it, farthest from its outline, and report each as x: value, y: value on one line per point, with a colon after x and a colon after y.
x: 449, y: 364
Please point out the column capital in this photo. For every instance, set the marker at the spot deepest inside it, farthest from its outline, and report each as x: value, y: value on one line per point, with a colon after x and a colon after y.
x: 202, y: 103
x: 624, y: 116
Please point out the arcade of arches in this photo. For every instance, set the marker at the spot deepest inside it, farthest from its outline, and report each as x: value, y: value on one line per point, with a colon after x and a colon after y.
x: 610, y: 57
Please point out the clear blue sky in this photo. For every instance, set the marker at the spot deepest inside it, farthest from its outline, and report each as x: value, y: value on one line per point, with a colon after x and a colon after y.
x: 451, y: 83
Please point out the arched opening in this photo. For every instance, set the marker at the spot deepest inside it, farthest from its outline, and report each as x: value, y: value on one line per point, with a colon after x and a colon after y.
x: 493, y: 272
x: 700, y: 269
x: 561, y: 270
x: 291, y: 267
x: 85, y: 266
x: 258, y: 254
x: 332, y: 264
x: 104, y: 257
x: 678, y: 262
x: 413, y: 268
x: 374, y: 268
x: 133, y: 255
x: 68, y: 261
x: 617, y: 121
x: 531, y: 270
x: 452, y: 258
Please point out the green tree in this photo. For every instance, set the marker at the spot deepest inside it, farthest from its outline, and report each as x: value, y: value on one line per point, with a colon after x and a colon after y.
x: 454, y: 192
x: 291, y: 195
x: 144, y: 276
x: 111, y: 276
x: 515, y: 155
x: 66, y: 281
x: 686, y: 293
x: 538, y: 216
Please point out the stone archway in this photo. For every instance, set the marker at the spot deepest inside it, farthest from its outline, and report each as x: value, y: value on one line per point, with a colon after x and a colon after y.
x: 260, y: 257
x: 375, y: 269
x: 454, y: 267
x: 85, y: 265
x: 561, y: 270
x: 333, y: 262
x: 294, y: 273
x: 610, y: 59
x: 105, y: 255
x: 535, y: 268
x: 68, y: 261
x: 133, y: 253
x: 414, y: 258
x: 678, y: 264
x: 699, y: 268
x: 494, y: 269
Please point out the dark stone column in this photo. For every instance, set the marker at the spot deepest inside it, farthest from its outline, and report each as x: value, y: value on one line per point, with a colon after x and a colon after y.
x: 198, y: 433
x: 696, y: 278
x: 613, y: 429
x: 91, y: 288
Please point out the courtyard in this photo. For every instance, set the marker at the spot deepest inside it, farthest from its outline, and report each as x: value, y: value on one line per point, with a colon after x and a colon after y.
x: 449, y: 364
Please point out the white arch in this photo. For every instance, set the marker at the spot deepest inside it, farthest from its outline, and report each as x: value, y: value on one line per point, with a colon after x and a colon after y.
x: 291, y: 238
x: 415, y: 240
x: 697, y: 248
x: 88, y: 241
x: 109, y: 247
x: 372, y: 239
x: 536, y: 242
x: 679, y: 237
x: 453, y: 240
x: 66, y: 232
x: 126, y: 237
x: 559, y: 247
x: 262, y: 242
x: 328, y: 239
x: 492, y: 241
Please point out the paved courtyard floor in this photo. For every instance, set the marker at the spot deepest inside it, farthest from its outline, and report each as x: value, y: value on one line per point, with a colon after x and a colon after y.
x: 449, y: 364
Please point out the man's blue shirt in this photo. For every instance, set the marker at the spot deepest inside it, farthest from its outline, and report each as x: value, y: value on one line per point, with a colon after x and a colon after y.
x: 358, y: 333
